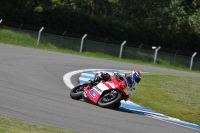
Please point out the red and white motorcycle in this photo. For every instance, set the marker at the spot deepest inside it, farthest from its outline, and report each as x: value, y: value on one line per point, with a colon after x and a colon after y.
x: 105, y: 94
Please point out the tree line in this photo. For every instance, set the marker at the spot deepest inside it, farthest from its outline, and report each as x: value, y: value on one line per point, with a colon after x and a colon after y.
x: 172, y: 24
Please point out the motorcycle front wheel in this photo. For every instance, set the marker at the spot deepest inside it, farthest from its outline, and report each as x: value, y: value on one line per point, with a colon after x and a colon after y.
x: 76, y: 92
x: 110, y: 99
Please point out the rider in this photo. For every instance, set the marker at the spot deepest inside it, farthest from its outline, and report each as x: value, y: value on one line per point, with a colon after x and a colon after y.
x: 132, y: 79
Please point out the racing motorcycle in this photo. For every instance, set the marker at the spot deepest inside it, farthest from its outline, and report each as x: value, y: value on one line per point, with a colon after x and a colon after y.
x: 106, y: 94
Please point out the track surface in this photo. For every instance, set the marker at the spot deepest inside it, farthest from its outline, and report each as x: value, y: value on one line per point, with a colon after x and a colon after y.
x: 32, y: 89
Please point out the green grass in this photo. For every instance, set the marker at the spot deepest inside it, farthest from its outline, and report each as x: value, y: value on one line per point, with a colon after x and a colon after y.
x: 176, y: 96
x: 9, y: 125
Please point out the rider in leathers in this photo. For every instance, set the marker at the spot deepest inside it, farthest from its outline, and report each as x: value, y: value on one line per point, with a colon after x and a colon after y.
x: 131, y: 80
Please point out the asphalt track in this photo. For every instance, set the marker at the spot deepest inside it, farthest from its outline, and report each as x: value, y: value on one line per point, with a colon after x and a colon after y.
x: 32, y: 89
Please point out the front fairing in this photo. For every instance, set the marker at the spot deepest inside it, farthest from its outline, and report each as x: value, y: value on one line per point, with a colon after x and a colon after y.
x: 94, y: 93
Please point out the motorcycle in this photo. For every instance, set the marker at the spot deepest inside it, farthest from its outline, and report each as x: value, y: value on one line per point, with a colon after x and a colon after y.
x: 106, y: 94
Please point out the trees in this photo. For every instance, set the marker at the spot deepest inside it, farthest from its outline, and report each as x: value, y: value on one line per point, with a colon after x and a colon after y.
x: 172, y: 24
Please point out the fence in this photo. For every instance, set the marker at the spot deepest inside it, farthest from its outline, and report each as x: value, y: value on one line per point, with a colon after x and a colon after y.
x: 94, y: 46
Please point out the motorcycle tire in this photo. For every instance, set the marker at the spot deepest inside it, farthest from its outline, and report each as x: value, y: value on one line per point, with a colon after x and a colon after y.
x: 117, y: 105
x: 76, y: 92
x: 112, y: 103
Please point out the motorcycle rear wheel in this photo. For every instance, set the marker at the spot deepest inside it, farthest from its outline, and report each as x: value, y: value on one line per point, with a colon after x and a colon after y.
x: 76, y: 92
x: 107, y: 100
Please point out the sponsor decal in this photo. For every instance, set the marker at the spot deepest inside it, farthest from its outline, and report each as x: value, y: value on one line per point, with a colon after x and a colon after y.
x: 98, y: 89
x: 93, y: 93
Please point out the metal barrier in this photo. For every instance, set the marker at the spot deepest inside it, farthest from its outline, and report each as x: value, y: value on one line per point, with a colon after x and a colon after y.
x: 76, y: 44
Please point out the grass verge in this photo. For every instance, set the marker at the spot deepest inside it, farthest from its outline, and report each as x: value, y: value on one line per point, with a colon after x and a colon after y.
x: 175, y: 96
x: 10, y: 125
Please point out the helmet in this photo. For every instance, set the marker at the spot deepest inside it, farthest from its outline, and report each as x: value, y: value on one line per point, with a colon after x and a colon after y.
x: 135, y: 76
